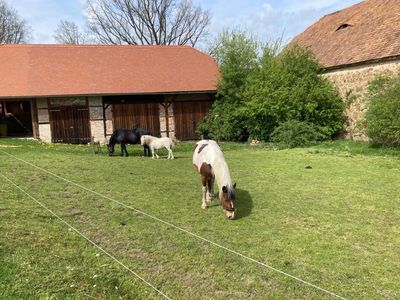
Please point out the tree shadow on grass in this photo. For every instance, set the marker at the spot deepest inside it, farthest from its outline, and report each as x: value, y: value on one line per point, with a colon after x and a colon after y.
x: 243, y: 204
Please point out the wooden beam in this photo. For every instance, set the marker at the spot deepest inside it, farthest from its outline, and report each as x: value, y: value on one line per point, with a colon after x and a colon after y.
x: 34, y: 119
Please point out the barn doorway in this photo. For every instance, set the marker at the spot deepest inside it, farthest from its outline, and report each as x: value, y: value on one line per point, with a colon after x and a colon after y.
x: 136, y: 111
x: 70, y: 124
x: 137, y: 115
x: 188, y: 115
x: 16, y: 118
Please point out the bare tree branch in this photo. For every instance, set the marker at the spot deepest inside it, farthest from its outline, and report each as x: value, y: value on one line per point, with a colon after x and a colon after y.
x: 150, y: 22
x: 13, y: 30
x: 69, y: 33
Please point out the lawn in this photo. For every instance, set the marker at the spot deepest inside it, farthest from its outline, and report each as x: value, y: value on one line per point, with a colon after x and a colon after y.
x: 335, y: 224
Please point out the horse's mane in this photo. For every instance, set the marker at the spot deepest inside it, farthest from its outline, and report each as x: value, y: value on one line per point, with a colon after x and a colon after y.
x: 221, y: 171
x: 219, y: 166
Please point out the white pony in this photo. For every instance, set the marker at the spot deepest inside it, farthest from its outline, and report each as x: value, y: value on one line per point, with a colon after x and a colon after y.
x: 209, y: 162
x: 155, y: 143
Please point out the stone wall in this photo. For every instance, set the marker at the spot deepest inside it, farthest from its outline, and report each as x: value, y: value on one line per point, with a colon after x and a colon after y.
x: 170, y: 129
x: 109, y: 121
x: 43, y: 120
x: 352, y: 83
x: 96, y: 118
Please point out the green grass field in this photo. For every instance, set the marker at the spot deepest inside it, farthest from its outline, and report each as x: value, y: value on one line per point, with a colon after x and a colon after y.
x: 336, y: 225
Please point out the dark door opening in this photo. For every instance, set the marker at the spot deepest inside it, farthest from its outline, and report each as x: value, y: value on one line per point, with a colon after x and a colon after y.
x: 15, y: 119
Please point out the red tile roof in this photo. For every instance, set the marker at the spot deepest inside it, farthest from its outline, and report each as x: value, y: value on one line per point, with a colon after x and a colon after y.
x: 57, y: 70
x: 364, y: 32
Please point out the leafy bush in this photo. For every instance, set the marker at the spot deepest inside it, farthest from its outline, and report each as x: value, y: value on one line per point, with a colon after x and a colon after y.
x: 382, y: 119
x: 294, y: 133
x: 261, y: 89
x: 288, y: 87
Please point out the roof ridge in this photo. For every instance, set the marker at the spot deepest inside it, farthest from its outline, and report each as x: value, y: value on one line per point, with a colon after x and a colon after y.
x: 92, y: 46
x: 346, y: 8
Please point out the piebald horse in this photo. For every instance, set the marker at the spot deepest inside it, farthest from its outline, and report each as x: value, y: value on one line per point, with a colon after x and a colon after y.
x: 209, y: 162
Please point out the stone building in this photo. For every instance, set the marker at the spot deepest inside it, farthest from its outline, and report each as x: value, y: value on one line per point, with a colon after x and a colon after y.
x: 355, y: 45
x: 71, y: 93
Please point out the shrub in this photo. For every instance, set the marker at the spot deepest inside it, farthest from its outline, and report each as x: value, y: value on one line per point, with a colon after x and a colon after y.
x: 382, y: 119
x: 294, y: 133
x: 288, y: 87
x: 261, y: 89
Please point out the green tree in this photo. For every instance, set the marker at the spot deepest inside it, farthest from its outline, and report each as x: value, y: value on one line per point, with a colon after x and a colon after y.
x: 237, y: 57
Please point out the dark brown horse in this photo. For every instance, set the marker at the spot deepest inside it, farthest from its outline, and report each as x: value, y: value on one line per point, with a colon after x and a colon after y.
x: 127, y: 136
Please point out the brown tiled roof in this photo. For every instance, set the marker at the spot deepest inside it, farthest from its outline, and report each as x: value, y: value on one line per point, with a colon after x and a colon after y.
x: 364, y: 32
x: 54, y: 70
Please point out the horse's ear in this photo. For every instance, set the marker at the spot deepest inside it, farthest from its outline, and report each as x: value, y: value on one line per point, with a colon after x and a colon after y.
x: 224, y: 189
x: 234, y: 185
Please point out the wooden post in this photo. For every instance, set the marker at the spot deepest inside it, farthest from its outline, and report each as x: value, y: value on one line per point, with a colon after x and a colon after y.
x: 34, y: 119
x: 166, y: 106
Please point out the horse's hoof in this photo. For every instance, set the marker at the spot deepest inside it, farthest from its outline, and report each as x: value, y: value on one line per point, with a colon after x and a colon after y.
x: 204, y: 206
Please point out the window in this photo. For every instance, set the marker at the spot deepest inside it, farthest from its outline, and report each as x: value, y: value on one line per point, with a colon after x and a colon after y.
x: 343, y: 26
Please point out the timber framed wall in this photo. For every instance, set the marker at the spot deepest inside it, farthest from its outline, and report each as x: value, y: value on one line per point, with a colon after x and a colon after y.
x: 176, y: 116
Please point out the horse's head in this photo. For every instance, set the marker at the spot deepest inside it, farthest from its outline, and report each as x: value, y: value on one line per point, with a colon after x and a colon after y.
x: 110, y: 148
x: 227, y: 198
x: 143, y: 140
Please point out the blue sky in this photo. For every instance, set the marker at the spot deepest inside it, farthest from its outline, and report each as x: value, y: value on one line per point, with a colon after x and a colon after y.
x: 266, y: 19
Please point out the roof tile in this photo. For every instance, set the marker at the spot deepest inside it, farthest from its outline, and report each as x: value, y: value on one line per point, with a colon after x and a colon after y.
x: 58, y: 70
x: 373, y: 34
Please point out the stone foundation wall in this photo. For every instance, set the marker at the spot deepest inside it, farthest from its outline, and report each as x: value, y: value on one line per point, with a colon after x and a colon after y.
x: 45, y: 133
x: 352, y: 84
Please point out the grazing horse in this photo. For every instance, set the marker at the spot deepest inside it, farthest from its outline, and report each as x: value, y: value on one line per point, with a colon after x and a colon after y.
x: 209, y: 162
x: 127, y: 136
x: 155, y: 143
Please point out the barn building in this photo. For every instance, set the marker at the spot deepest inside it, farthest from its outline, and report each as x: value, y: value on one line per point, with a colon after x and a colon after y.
x: 70, y: 93
x: 355, y: 45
